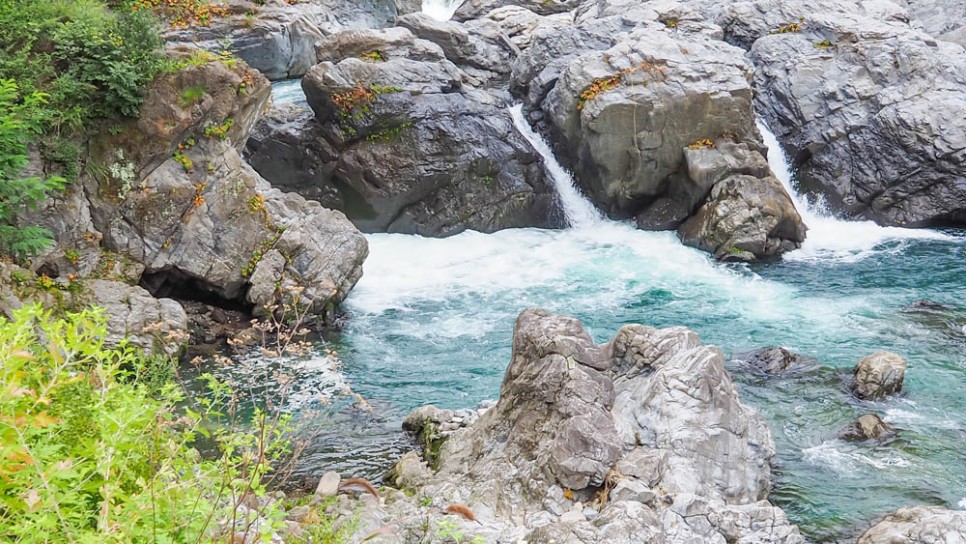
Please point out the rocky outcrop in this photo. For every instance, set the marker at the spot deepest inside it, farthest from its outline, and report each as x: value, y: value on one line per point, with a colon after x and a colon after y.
x: 879, y: 375
x: 944, y: 20
x: 641, y: 439
x: 169, y: 204
x: 918, y: 525
x: 277, y: 37
x: 416, y: 151
x: 132, y: 315
x: 474, y: 9
x: 850, y: 89
x: 867, y: 427
x: 651, y: 110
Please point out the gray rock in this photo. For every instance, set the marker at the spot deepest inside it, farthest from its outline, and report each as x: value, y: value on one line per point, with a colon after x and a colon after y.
x: 328, y: 485
x: 278, y: 38
x: 879, y: 375
x: 530, y: 467
x: 851, y: 94
x: 416, y: 152
x: 474, y: 9
x: 775, y: 360
x: 156, y: 325
x: 918, y: 525
x: 867, y: 427
x: 745, y: 218
x: 617, y: 114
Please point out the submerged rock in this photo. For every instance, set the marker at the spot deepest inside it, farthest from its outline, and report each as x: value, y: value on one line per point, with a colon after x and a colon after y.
x: 774, y: 360
x: 879, y: 375
x: 918, y: 525
x: 867, y: 427
x: 639, y: 440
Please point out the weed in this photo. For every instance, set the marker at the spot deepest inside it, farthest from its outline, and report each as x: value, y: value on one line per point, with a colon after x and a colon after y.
x: 192, y: 95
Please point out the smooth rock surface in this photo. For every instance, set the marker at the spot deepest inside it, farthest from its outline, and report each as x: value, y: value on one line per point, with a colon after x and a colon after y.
x: 918, y: 525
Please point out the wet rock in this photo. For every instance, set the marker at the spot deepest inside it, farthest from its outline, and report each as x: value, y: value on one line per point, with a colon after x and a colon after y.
x: 850, y: 90
x: 417, y: 152
x: 474, y: 9
x: 879, y: 375
x: 867, y: 427
x: 774, y: 360
x: 745, y: 218
x: 918, y: 525
x: 479, y: 47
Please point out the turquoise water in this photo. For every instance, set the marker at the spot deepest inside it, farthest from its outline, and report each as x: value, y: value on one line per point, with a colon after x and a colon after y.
x: 431, y: 322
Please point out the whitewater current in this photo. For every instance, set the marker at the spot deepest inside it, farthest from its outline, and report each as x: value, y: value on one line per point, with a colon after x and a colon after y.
x: 430, y: 322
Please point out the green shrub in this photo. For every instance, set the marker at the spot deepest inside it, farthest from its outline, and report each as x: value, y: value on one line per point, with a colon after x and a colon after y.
x: 20, y: 121
x: 90, y: 453
x: 91, y: 61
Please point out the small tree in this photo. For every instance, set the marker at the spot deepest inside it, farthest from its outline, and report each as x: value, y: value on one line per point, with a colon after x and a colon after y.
x: 20, y: 122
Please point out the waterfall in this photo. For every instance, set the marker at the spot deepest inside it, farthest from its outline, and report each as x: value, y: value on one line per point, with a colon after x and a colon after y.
x: 441, y: 10
x: 828, y: 236
x: 577, y: 209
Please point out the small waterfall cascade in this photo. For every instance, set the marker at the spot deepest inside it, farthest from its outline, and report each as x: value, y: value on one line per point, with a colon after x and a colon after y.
x: 441, y: 10
x: 579, y: 211
x: 828, y: 235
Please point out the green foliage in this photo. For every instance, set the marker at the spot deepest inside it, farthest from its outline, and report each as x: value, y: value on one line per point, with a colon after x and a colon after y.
x: 92, y: 62
x: 219, y: 131
x: 93, y: 448
x: 191, y: 95
x: 20, y: 121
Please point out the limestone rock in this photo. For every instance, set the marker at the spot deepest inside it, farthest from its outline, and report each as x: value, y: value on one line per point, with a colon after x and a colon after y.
x: 867, y: 427
x: 918, y: 525
x: 414, y: 151
x: 879, y: 375
x: 775, y: 360
x: 328, y: 485
x: 850, y: 91
x: 745, y: 218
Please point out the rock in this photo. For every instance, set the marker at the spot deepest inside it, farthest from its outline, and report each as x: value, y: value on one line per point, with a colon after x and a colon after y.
x: 278, y: 38
x: 479, y: 47
x: 155, y: 325
x: 850, y: 93
x: 944, y: 20
x: 616, y: 134
x: 775, y: 360
x: 653, y: 409
x: 474, y: 9
x: 416, y: 152
x: 879, y: 375
x: 745, y: 218
x: 328, y: 485
x: 867, y: 427
x: 200, y: 221
x: 918, y: 525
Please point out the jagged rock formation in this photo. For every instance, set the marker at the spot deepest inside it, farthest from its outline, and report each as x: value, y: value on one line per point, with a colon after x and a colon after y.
x: 918, y: 525
x: 168, y: 203
x: 850, y: 89
x: 642, y: 439
x: 402, y: 145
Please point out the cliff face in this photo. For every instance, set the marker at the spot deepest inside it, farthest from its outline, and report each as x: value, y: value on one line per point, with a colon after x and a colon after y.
x: 165, y: 201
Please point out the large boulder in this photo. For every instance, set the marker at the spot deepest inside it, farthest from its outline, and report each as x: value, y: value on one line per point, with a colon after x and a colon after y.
x: 866, y: 427
x: 474, y: 9
x: 168, y: 203
x: 918, y: 525
x: 878, y: 375
x: 416, y: 151
x: 745, y: 218
x: 278, y: 37
x: 850, y: 89
x: 642, y: 439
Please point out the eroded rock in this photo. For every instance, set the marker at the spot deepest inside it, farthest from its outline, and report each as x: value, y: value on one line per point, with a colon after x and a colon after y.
x: 879, y: 375
x: 918, y: 525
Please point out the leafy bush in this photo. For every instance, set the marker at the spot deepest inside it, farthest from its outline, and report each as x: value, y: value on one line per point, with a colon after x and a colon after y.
x: 89, y: 453
x: 91, y: 61
x: 20, y: 121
